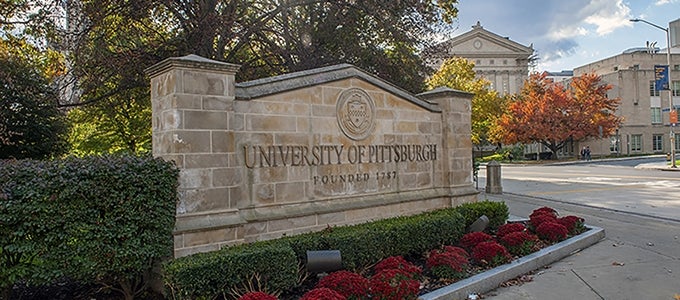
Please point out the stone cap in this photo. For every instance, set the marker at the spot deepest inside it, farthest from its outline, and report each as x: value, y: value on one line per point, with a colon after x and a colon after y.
x: 443, y: 91
x: 191, y: 61
x: 297, y: 80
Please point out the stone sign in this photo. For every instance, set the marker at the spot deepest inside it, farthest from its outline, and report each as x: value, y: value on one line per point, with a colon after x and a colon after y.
x: 303, y: 151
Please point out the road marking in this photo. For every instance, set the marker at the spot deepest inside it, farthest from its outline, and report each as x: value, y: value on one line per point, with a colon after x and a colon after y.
x: 585, y: 190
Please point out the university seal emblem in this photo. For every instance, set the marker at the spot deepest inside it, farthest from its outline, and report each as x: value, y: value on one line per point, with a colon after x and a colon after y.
x: 356, y: 113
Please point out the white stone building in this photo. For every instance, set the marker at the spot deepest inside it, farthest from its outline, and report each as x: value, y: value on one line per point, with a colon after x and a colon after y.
x: 502, y: 61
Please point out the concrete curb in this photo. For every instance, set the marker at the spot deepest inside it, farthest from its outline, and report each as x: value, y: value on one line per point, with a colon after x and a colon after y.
x: 491, y: 279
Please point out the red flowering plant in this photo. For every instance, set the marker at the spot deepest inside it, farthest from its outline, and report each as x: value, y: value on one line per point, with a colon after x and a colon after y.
x: 322, y: 294
x: 519, y: 243
x: 490, y: 254
x: 349, y: 284
x: 399, y: 263
x: 394, y: 284
x: 538, y: 219
x: 257, y: 296
x: 544, y: 210
x: 470, y: 240
x: 509, y: 228
x: 457, y: 250
x: 447, y: 264
x: 574, y: 224
x: 552, y: 231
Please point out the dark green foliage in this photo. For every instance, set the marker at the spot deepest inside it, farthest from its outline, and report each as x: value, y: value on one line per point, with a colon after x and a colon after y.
x: 106, y: 219
x: 497, y: 212
x: 365, y: 244
x: 31, y: 126
x: 208, y: 275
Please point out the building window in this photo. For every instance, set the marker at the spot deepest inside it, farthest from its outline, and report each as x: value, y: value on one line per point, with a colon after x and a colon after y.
x: 677, y: 143
x: 657, y: 142
x: 478, y: 62
x: 656, y: 115
x: 652, y: 90
x: 676, y: 88
x: 491, y: 62
x: 636, y: 143
x: 505, y: 61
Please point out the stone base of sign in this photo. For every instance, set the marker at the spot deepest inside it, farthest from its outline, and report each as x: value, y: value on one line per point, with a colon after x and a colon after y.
x: 303, y: 151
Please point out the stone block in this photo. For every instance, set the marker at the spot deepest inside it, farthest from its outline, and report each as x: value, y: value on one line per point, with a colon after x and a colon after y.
x: 270, y: 123
x: 222, y: 141
x: 227, y: 177
x: 197, y: 119
x: 217, y: 103
x: 290, y: 192
x: 204, y: 83
x: 291, y: 223
x: 193, y: 161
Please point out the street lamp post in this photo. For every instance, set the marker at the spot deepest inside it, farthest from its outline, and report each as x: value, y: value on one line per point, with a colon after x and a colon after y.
x: 670, y: 83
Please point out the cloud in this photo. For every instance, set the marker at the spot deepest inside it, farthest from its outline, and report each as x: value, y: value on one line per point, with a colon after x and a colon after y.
x: 664, y: 2
x: 558, y: 49
x: 607, y: 15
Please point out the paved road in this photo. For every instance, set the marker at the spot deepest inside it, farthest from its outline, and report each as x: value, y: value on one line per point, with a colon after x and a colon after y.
x: 620, y: 188
x: 639, y: 210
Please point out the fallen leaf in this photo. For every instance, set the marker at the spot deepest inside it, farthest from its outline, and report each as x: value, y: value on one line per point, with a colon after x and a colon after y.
x: 677, y: 296
x: 616, y: 263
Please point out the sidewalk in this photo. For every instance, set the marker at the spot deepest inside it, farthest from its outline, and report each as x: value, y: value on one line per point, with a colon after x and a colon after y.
x: 638, y: 259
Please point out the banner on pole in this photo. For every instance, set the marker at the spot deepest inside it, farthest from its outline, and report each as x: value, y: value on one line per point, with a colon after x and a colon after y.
x: 661, y: 78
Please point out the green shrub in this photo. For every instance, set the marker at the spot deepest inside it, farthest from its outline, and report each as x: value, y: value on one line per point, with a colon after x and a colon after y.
x: 209, y: 275
x: 365, y: 244
x: 497, y: 212
x: 107, y: 219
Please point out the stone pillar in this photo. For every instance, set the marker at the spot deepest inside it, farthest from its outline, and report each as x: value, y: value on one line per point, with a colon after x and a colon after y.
x: 192, y: 118
x: 493, y: 178
x: 456, y: 139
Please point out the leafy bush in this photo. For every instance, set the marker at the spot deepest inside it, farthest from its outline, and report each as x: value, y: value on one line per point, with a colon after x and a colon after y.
x: 103, y: 218
x: 207, y: 275
x: 497, y: 212
x: 365, y: 244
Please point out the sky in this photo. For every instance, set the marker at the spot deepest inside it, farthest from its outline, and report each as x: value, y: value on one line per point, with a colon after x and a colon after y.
x: 570, y: 33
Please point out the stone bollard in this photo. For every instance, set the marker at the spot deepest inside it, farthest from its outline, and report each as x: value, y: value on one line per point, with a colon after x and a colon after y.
x: 493, y: 178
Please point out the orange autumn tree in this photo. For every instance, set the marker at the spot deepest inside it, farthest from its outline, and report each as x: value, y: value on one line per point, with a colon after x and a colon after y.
x: 548, y: 113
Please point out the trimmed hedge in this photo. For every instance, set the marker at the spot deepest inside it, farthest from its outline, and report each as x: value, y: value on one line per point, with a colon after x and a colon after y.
x: 105, y: 219
x: 209, y: 275
x: 497, y: 212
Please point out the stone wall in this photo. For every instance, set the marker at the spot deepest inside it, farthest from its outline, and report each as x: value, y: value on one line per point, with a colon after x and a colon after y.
x: 303, y: 151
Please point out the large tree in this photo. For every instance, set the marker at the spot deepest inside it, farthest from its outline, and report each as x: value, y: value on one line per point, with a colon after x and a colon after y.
x: 551, y: 114
x: 31, y: 126
x: 457, y: 73
x: 109, y: 43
